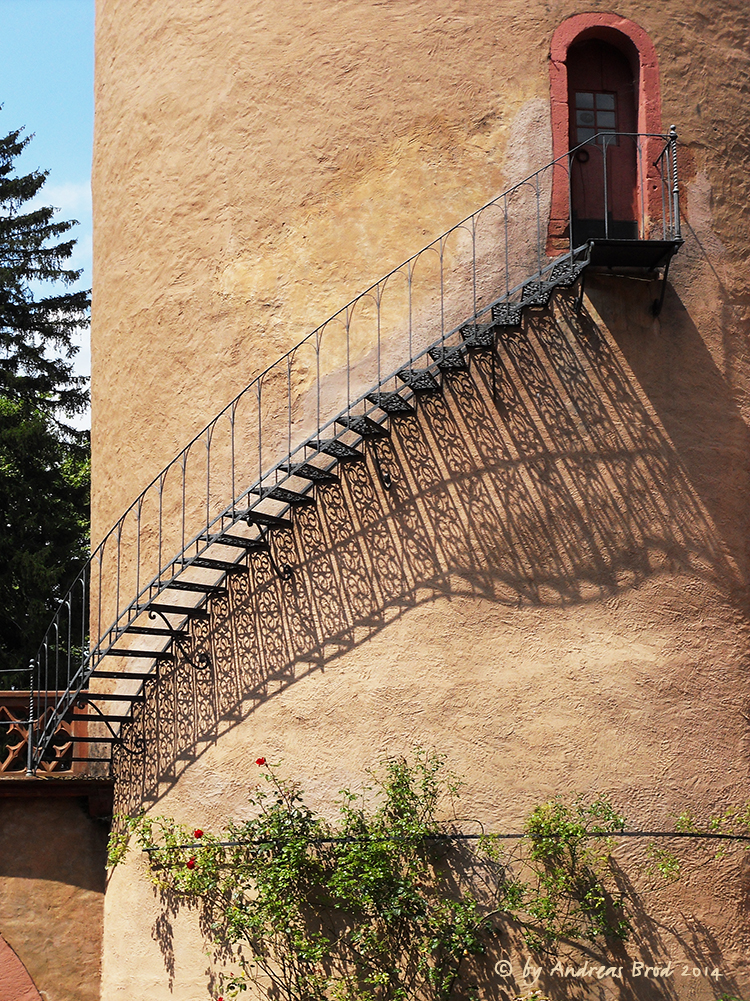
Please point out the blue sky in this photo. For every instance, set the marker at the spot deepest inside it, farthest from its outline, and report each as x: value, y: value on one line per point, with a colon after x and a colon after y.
x: 47, y: 85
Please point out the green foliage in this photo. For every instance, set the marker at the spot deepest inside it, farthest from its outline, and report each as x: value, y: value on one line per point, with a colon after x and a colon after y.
x: 36, y: 331
x: 383, y: 904
x: 44, y: 463
x: 561, y: 887
x: 664, y: 862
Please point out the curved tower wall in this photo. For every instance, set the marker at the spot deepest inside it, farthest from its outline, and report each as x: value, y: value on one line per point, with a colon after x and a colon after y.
x: 256, y: 165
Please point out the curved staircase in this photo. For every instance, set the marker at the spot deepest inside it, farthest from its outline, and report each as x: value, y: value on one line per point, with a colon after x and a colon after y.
x: 70, y: 704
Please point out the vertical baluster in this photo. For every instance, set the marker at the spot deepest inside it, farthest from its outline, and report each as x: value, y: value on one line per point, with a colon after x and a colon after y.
x: 571, y: 235
x: 259, y: 393
x: 182, y: 515
x: 537, y: 193
x: 676, y: 225
x: 83, y: 620
x: 318, y: 342
x: 442, y: 287
x: 378, y: 300
x: 232, y: 421
x: 99, y: 595
x: 139, y: 512
x: 119, y: 557
x: 209, y: 436
x: 69, y: 606
x: 160, y: 544
x: 643, y: 235
x: 289, y: 359
x: 30, y: 731
x: 348, y: 363
x: 605, y: 148
x: 408, y: 284
x: 474, y: 265
x: 507, y: 257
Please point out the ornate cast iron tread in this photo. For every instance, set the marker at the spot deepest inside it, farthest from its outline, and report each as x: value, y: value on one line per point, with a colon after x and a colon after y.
x: 507, y: 314
x: 365, y: 427
x: 392, y: 404
x: 307, y: 471
x: 566, y: 273
x: 283, y: 495
x: 206, y: 563
x: 239, y: 542
x: 449, y: 359
x: 153, y: 631
x: 537, y: 294
x: 113, y: 696
x: 89, y: 718
x: 193, y: 585
x: 339, y: 450
x: 92, y: 740
x: 420, y: 380
x: 478, y: 335
x: 135, y: 675
x: 189, y: 611
x: 263, y: 519
x: 153, y: 654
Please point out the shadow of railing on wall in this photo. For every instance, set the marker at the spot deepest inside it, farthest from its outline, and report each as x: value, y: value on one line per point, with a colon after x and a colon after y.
x: 537, y: 477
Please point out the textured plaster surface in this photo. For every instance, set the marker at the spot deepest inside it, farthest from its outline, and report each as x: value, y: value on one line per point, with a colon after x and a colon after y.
x: 15, y: 982
x: 52, y: 857
x: 554, y: 592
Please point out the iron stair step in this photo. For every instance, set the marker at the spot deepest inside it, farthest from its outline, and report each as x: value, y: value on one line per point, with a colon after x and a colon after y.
x: 566, y: 273
x: 113, y: 696
x: 152, y: 654
x: 92, y: 740
x: 419, y: 380
x: 193, y: 585
x: 507, y: 314
x: 154, y: 631
x: 263, y: 520
x: 449, y: 359
x: 338, y: 449
x: 239, y: 542
x: 135, y: 675
x: 189, y: 611
x: 95, y: 718
x: 536, y: 294
x: 309, y: 472
x: 208, y: 563
x: 392, y: 404
x: 365, y: 427
x: 284, y: 495
x: 478, y: 335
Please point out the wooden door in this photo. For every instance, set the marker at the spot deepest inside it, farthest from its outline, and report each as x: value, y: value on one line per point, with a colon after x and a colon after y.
x: 604, y: 171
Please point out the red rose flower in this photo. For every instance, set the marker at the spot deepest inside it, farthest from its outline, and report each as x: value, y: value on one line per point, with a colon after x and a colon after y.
x: 198, y: 833
x: 260, y: 761
x: 191, y: 862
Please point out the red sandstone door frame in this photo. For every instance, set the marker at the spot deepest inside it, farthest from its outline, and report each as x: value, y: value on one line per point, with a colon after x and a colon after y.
x: 638, y: 48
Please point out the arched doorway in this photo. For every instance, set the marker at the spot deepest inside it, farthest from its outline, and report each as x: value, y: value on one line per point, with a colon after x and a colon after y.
x: 607, y: 55
x: 602, y: 123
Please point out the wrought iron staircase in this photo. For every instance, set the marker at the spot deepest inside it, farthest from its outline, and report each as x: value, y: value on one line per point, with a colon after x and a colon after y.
x: 140, y: 617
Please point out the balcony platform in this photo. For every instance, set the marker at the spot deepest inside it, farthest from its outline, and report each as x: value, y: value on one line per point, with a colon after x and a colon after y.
x: 626, y: 254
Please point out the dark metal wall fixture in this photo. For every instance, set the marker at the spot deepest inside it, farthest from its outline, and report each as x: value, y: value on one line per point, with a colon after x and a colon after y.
x: 160, y: 578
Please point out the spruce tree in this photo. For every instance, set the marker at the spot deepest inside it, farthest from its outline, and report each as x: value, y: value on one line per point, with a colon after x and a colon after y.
x: 44, y: 461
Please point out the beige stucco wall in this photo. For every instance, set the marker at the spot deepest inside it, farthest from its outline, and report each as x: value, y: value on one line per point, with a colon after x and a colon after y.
x: 555, y: 613
x: 256, y: 165
x: 52, y: 874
